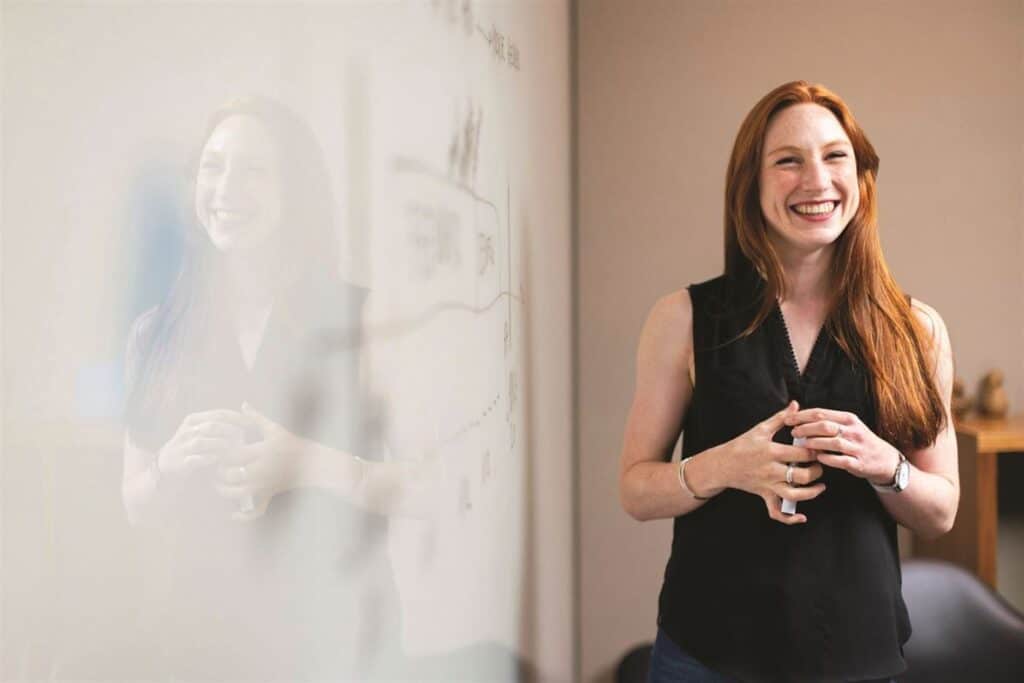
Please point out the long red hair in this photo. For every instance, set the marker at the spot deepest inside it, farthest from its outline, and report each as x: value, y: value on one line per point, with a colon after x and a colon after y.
x: 869, y: 315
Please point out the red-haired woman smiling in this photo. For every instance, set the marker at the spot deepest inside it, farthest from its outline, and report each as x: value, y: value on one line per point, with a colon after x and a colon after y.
x: 784, y: 562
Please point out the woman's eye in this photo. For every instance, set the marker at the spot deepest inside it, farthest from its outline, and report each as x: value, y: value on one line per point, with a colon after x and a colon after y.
x: 786, y: 160
x: 837, y: 155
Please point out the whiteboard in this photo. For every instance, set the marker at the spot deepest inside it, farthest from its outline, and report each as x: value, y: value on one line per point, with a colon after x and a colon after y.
x: 443, y: 127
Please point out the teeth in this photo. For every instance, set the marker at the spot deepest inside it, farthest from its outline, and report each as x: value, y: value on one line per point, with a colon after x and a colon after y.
x: 815, y: 209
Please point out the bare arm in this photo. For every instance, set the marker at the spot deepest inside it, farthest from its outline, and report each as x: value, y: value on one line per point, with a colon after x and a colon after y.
x: 649, y: 486
x: 407, y: 489
x: 280, y: 460
x: 140, y: 480
x: 929, y: 503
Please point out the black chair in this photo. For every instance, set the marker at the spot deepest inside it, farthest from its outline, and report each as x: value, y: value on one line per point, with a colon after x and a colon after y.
x: 634, y: 665
x: 962, y: 629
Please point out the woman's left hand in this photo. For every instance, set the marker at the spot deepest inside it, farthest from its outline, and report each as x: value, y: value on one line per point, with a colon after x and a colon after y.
x: 856, y: 448
x: 253, y: 474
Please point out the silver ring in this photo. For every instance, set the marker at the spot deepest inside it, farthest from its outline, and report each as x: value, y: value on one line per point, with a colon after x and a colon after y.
x: 789, y: 474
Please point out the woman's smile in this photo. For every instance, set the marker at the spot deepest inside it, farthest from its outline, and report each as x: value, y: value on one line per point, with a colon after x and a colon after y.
x: 238, y: 187
x: 816, y: 212
x: 232, y: 216
x: 808, y: 179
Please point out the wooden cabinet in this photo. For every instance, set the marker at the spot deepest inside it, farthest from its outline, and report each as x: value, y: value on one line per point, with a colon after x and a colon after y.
x: 972, y: 541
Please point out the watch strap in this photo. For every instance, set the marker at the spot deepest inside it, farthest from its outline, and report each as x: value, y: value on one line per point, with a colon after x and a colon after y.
x: 893, y: 486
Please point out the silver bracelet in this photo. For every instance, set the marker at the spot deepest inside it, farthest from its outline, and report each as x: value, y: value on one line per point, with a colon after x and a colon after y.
x: 682, y: 480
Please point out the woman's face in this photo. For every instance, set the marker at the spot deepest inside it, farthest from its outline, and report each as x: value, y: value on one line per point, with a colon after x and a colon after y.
x: 238, y: 185
x: 808, y: 178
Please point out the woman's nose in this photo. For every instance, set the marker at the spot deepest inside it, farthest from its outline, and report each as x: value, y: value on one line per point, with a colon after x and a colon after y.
x: 229, y: 183
x: 816, y: 176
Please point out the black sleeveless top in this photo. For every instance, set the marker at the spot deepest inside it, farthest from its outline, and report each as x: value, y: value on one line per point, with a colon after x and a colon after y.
x: 749, y: 596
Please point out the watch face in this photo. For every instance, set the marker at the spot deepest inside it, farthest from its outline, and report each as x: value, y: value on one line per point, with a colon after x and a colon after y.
x: 902, y: 476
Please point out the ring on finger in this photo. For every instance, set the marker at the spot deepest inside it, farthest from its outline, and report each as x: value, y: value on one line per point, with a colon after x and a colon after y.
x: 839, y: 431
x: 789, y: 474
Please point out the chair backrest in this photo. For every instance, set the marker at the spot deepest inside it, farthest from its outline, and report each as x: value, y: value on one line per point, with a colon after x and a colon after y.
x: 633, y: 666
x: 962, y: 630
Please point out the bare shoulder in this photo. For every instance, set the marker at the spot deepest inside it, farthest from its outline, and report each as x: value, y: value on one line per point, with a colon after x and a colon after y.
x: 941, y: 349
x: 665, y: 351
x: 672, y: 315
x: 931, y: 320
x: 669, y: 324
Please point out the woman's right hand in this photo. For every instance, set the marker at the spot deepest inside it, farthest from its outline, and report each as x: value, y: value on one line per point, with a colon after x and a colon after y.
x: 201, y: 440
x: 758, y: 466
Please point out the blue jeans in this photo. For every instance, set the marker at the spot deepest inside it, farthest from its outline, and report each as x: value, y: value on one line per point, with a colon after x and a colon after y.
x: 671, y: 664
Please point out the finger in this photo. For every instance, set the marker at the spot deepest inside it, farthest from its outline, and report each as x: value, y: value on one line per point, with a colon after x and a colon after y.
x: 798, y: 493
x: 257, y: 419
x: 820, y: 428
x: 839, y: 444
x: 774, y: 506
x: 802, y: 474
x: 196, y: 461
x: 841, y: 462
x: 223, y: 430
x: 233, y: 475
x: 820, y: 415
x: 245, y: 455
x: 233, y: 491
x: 219, y: 415
x: 807, y: 475
x: 784, y: 453
x: 778, y: 420
x: 202, y: 444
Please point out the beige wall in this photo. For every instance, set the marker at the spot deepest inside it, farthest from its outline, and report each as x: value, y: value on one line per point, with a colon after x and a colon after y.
x: 662, y: 88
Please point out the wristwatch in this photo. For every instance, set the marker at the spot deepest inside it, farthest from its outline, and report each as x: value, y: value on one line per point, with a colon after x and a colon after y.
x: 899, y: 479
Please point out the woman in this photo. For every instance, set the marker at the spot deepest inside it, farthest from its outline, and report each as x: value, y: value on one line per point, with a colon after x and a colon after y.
x: 806, y: 336
x: 238, y: 412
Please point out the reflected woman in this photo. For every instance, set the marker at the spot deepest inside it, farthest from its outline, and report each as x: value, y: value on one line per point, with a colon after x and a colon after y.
x: 237, y: 413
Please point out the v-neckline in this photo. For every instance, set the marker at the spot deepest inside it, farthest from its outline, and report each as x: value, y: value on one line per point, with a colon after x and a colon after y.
x: 252, y: 342
x: 794, y: 365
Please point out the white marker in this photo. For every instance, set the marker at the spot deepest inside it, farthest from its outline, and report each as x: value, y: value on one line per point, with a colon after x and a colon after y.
x: 789, y: 506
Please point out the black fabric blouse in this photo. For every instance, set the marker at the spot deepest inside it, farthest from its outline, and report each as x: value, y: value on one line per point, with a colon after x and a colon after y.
x: 744, y: 594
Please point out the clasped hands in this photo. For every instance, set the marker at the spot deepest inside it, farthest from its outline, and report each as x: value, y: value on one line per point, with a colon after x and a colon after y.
x: 833, y: 438
x: 248, y: 474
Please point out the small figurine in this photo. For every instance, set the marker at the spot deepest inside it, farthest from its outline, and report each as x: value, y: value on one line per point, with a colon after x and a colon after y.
x: 992, y: 400
x: 962, y: 403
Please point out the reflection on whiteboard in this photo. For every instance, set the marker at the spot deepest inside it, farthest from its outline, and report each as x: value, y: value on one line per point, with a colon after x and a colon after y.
x: 282, y: 431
